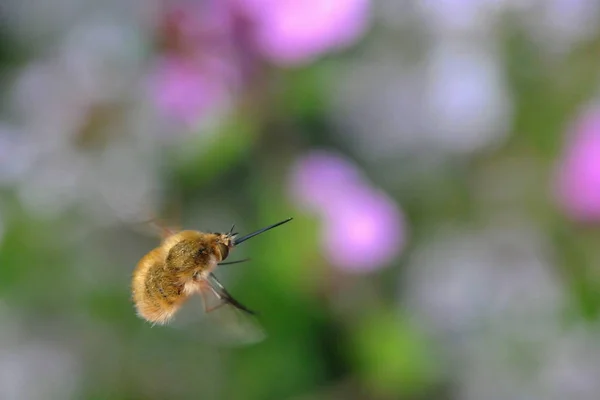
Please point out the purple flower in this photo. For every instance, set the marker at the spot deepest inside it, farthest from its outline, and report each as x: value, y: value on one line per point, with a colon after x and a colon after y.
x: 290, y: 32
x: 578, y: 176
x: 196, y: 72
x: 212, y: 45
x: 364, y: 232
x: 185, y: 90
x: 363, y: 228
x: 320, y: 179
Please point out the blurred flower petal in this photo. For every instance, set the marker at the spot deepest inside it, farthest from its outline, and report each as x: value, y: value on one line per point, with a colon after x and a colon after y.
x: 467, y: 106
x: 578, y: 176
x: 364, y: 232
x: 295, y: 32
x: 363, y: 228
x: 184, y: 90
x: 463, y: 281
x: 320, y: 178
x: 491, y: 297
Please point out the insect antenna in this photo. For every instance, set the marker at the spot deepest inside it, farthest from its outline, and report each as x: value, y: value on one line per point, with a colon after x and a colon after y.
x: 237, y: 241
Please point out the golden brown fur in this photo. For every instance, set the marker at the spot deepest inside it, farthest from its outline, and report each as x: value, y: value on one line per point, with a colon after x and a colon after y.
x: 166, y: 276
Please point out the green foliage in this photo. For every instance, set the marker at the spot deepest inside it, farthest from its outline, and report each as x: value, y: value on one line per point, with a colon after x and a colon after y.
x: 392, y: 356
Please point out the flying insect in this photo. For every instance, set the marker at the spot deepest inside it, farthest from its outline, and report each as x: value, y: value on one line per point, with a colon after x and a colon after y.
x: 182, y: 266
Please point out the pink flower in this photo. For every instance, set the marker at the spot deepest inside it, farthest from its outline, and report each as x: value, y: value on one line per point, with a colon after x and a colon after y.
x: 184, y: 90
x: 364, y: 232
x: 363, y: 228
x: 238, y: 33
x: 290, y: 32
x: 578, y: 177
x: 320, y: 179
x: 197, y: 69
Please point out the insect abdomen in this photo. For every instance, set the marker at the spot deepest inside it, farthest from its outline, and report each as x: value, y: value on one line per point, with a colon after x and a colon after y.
x: 156, y: 292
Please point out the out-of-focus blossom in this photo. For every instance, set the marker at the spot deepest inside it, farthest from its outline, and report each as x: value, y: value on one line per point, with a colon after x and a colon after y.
x: 65, y: 100
x: 578, y: 175
x: 321, y: 179
x: 376, y: 107
x: 296, y: 32
x: 455, y: 103
x: 560, y: 363
x: 490, y: 294
x: 363, y: 228
x: 467, y: 107
x: 238, y: 34
x: 364, y: 231
x: 185, y: 90
x: 463, y: 281
x: 197, y: 70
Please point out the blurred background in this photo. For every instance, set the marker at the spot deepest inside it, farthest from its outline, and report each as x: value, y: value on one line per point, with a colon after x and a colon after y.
x: 441, y: 160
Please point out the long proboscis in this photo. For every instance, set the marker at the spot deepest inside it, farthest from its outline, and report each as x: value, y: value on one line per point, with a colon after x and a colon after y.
x: 237, y: 241
x: 234, y: 262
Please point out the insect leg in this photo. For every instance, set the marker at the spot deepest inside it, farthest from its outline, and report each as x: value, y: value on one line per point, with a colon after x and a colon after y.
x: 203, y: 293
x: 224, y: 294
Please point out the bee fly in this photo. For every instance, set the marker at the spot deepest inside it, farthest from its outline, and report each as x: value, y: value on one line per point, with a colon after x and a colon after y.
x: 183, y: 266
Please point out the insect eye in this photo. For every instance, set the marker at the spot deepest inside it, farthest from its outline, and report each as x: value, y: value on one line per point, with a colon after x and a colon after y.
x: 224, y: 251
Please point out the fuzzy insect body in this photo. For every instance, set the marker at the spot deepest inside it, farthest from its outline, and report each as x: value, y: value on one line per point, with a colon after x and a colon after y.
x: 182, y: 266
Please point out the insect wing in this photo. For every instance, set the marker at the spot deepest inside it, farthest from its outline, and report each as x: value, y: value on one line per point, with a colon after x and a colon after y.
x: 237, y: 323
x: 215, y: 319
x: 154, y: 227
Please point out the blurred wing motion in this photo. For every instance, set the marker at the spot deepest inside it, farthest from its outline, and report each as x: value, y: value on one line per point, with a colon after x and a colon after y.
x: 215, y: 316
x: 162, y: 228
x: 148, y: 222
x: 155, y: 227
